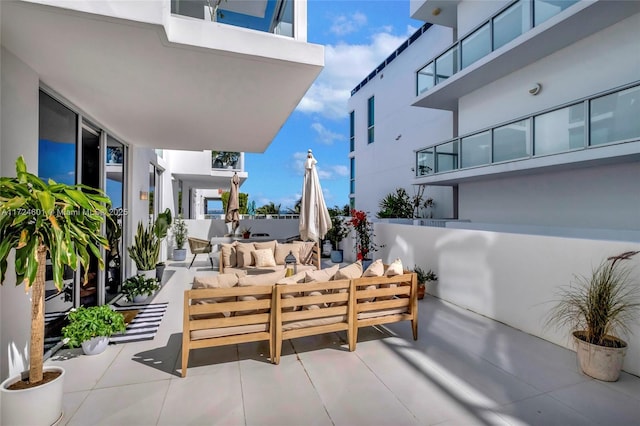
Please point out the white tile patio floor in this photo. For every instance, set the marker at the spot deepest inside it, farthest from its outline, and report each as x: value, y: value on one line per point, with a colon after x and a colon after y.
x: 465, y: 369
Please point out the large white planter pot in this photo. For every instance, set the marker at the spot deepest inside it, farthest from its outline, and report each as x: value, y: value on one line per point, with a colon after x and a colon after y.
x: 38, y: 406
x: 179, y: 254
x: 140, y: 298
x: 95, y: 346
x: 600, y: 362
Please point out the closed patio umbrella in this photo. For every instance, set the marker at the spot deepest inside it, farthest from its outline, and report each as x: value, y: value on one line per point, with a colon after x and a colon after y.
x: 232, y: 214
x: 314, y: 216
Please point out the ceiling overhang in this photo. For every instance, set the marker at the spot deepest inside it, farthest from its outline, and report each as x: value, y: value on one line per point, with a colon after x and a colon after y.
x: 152, y: 92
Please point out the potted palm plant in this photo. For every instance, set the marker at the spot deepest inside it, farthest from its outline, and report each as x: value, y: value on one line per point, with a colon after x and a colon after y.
x: 180, y: 232
x: 597, y: 308
x: 144, y: 251
x: 91, y: 327
x: 39, y: 218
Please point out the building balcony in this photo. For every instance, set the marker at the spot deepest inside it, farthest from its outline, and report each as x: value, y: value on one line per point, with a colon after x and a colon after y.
x: 163, y: 80
x: 437, y: 12
x: 515, y: 37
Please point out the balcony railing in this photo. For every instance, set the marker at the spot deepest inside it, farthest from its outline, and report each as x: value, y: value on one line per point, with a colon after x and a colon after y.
x: 600, y: 120
x: 272, y: 16
x: 501, y: 28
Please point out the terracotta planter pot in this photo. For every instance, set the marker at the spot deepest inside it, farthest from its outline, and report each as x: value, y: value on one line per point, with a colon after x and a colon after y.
x: 600, y: 362
x: 421, y: 291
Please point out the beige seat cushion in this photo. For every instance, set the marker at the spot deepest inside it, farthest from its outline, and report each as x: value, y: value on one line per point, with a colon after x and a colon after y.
x: 321, y: 275
x: 306, y: 251
x: 376, y: 269
x: 395, y: 268
x: 269, y: 279
x: 313, y: 322
x: 382, y: 313
x: 271, y: 245
x: 283, y: 250
x: 349, y: 272
x: 244, y: 254
x: 264, y: 257
x: 214, y: 281
x: 229, y: 254
x: 228, y: 331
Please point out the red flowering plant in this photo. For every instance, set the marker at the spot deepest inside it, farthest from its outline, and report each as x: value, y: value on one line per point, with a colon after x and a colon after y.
x: 365, y: 244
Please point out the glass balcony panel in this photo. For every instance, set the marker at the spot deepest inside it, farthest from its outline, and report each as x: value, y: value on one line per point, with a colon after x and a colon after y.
x: 447, y: 64
x: 476, y: 150
x: 447, y: 157
x: 615, y: 117
x: 424, y: 161
x: 425, y: 78
x: 476, y: 46
x: 511, y: 23
x: 559, y: 131
x: 546, y: 9
x: 512, y: 141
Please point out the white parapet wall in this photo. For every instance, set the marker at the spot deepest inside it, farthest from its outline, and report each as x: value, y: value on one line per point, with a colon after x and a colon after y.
x: 512, y: 278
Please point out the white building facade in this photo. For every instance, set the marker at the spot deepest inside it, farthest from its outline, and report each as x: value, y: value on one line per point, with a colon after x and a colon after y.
x: 107, y: 93
x: 528, y: 113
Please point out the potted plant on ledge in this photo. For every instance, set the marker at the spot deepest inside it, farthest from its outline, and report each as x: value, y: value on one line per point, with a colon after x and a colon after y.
x: 37, y: 218
x: 337, y: 233
x: 596, y: 309
x: 423, y: 279
x: 91, y: 328
x: 180, y: 232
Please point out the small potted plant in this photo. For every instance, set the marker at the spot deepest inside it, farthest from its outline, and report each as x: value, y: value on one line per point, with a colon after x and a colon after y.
x: 180, y: 232
x: 423, y: 279
x: 145, y: 249
x: 597, y: 308
x: 138, y: 288
x: 91, y: 328
x: 337, y: 233
x: 246, y: 232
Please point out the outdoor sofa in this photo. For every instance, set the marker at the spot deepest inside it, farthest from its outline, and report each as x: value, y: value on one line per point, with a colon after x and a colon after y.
x: 267, y: 256
x: 226, y: 309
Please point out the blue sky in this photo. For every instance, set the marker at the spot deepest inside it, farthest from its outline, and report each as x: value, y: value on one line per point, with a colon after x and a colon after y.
x: 357, y: 36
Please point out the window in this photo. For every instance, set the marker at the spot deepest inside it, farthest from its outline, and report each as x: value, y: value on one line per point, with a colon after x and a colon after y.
x: 560, y: 130
x: 511, y: 142
x: 511, y: 23
x: 545, y: 9
x: 447, y: 157
x: 447, y: 64
x: 352, y: 179
x: 615, y: 117
x: 425, y: 162
x: 370, y: 119
x: 476, y: 150
x: 425, y: 78
x: 476, y: 46
x: 57, y: 141
x: 352, y: 137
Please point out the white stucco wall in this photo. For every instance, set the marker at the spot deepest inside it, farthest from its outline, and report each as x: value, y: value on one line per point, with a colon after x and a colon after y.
x: 604, y: 197
x: 472, y: 12
x: 386, y: 164
x: 611, y: 56
x: 508, y: 277
x: 19, y: 129
x: 150, y: 11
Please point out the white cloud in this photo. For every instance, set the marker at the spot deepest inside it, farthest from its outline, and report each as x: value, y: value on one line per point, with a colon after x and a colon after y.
x: 325, y: 171
x: 343, y: 25
x: 345, y: 66
x: 325, y: 135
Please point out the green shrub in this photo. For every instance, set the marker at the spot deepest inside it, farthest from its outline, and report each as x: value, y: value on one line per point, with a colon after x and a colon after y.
x: 94, y: 321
